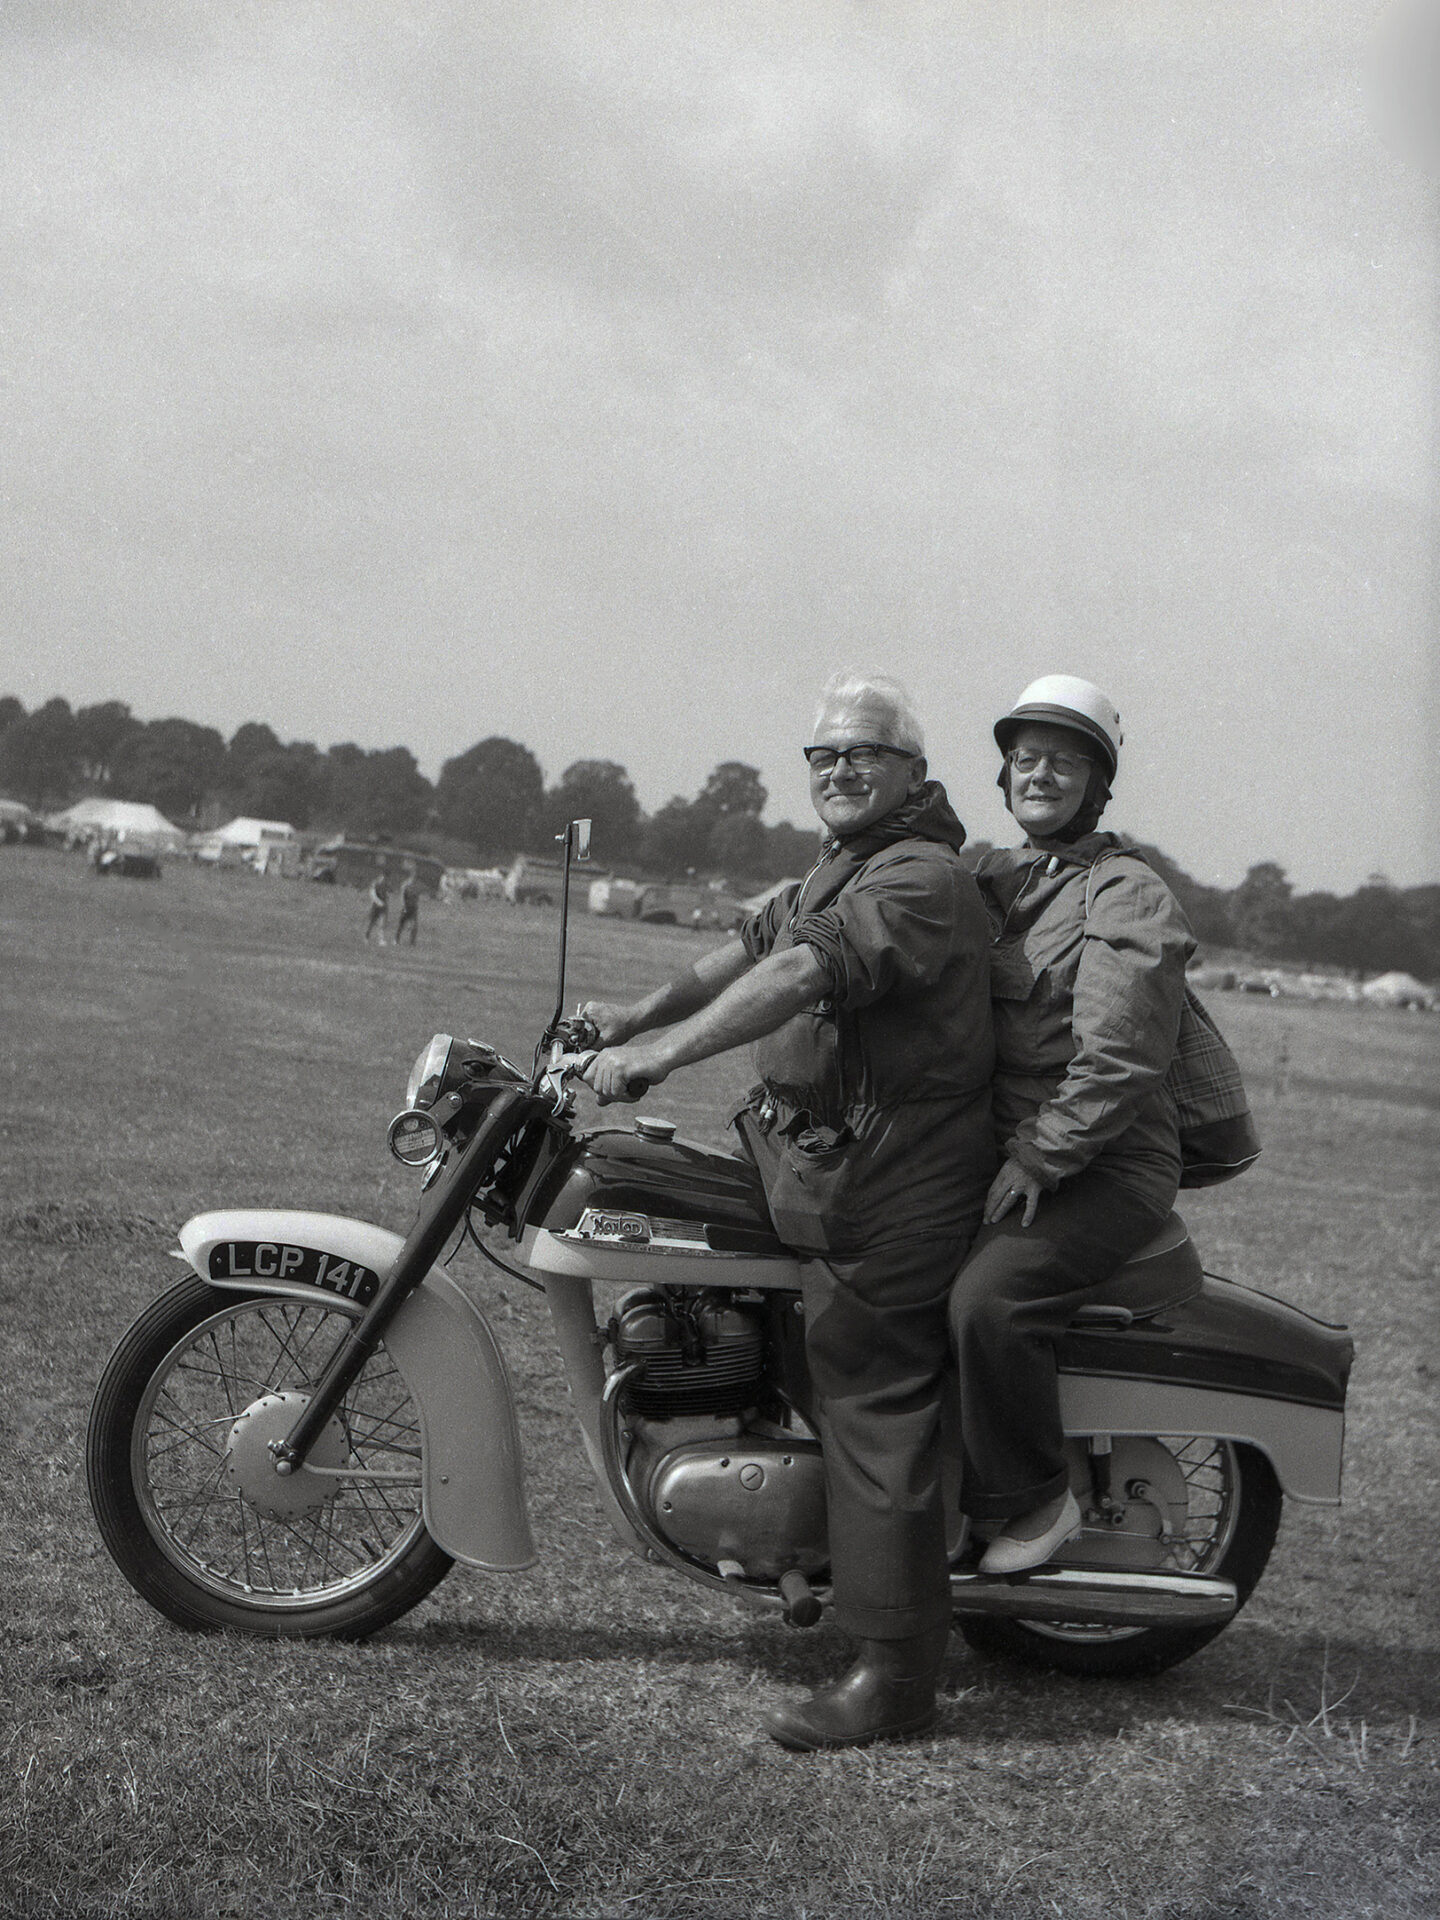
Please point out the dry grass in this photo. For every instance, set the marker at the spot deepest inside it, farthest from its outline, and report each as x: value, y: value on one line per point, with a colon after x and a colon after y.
x: 581, y: 1740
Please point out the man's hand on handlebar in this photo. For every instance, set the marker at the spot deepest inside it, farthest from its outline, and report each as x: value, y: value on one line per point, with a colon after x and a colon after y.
x: 624, y: 1073
x: 614, y: 1024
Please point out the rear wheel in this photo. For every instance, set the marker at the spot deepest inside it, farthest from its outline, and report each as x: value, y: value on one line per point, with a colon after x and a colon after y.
x: 183, y: 1485
x: 1200, y: 1506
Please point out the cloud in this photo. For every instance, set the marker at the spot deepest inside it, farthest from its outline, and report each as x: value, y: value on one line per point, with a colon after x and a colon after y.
x: 605, y: 375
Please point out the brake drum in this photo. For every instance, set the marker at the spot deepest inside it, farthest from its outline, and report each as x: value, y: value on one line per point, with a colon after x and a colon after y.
x: 1146, y: 1532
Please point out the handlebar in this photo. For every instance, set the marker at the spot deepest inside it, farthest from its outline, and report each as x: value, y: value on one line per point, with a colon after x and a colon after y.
x: 578, y: 1034
x: 574, y: 1066
x: 574, y: 1043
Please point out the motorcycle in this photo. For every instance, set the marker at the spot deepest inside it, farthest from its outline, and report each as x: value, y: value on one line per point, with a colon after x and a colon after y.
x: 305, y: 1433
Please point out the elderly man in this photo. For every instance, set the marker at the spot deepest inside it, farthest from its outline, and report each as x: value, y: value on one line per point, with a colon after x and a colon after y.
x: 867, y: 986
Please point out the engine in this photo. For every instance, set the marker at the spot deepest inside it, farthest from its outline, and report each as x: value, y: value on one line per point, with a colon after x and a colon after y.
x: 719, y: 1477
x: 701, y: 1353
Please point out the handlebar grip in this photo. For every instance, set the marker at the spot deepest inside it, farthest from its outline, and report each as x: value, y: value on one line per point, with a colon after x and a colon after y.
x: 637, y: 1089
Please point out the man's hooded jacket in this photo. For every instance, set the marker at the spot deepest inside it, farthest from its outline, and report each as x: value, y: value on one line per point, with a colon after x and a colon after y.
x: 873, y: 1113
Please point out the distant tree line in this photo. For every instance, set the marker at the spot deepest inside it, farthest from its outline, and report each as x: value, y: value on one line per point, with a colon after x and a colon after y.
x: 492, y: 802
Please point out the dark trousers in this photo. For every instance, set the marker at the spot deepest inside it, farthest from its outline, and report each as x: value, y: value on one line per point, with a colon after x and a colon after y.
x: 878, y: 1348
x: 1011, y: 1302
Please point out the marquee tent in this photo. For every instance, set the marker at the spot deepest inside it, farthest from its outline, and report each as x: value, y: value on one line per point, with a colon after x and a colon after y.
x: 134, y: 822
x: 1398, y: 990
x: 245, y: 832
x: 269, y: 846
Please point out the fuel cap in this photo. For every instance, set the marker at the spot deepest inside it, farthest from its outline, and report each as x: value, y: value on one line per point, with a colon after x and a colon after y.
x: 649, y: 1129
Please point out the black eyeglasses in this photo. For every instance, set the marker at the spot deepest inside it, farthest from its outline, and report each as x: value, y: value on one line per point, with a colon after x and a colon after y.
x: 864, y: 757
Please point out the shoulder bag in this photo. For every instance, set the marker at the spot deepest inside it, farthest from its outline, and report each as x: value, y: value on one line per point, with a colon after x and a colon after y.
x: 1217, y: 1133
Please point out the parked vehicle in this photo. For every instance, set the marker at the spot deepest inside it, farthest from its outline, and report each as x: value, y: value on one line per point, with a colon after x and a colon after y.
x: 302, y: 1435
x: 353, y: 863
x: 127, y: 863
x: 533, y: 882
x: 681, y: 905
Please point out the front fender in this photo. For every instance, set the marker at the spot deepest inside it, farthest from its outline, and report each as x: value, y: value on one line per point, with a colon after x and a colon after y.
x: 472, y: 1476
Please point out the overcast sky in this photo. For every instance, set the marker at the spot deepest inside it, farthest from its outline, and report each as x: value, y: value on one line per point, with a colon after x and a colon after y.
x: 605, y: 375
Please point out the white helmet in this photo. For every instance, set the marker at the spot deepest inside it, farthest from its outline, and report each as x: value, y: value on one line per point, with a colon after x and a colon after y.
x: 1064, y: 701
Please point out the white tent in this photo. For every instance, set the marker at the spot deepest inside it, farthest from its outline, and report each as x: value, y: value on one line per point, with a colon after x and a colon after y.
x: 269, y: 846
x: 132, y: 822
x: 1398, y: 990
x: 245, y: 832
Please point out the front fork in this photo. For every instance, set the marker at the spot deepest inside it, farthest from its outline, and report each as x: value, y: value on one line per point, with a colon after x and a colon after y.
x: 439, y: 1214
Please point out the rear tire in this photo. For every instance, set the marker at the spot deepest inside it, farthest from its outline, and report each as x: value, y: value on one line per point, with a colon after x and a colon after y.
x: 175, y: 1476
x: 1128, y: 1652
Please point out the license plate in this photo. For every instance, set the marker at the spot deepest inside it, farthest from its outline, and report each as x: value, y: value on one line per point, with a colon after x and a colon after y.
x: 296, y: 1266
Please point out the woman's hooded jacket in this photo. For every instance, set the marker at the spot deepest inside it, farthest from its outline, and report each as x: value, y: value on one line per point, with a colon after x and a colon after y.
x: 1087, y: 979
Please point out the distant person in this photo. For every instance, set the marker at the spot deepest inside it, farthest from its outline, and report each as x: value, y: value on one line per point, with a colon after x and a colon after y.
x: 409, y: 906
x: 379, y: 904
x: 1087, y: 980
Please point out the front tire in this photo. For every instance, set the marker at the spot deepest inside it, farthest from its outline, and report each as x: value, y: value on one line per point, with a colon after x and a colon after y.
x: 1235, y: 1501
x: 176, y: 1460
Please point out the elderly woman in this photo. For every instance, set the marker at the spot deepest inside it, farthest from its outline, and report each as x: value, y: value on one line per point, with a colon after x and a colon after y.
x: 1087, y: 980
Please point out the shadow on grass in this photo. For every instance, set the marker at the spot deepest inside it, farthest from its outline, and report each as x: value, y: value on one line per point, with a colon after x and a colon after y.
x: 1250, y: 1670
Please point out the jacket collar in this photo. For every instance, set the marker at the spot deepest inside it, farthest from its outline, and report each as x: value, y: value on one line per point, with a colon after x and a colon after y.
x: 925, y: 815
x: 1083, y: 852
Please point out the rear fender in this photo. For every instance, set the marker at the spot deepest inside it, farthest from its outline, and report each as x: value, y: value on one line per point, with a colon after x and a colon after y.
x: 473, y: 1476
x: 1303, y: 1444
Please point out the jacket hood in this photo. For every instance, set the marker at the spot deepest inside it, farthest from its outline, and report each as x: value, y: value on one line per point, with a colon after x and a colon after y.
x: 926, y: 815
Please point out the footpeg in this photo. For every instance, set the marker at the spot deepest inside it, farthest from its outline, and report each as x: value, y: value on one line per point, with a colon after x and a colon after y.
x: 802, y: 1605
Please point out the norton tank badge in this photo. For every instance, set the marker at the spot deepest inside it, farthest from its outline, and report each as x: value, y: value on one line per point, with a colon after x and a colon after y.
x: 414, y: 1138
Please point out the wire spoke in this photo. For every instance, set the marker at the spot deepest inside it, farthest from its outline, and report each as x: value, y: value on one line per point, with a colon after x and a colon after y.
x: 204, y: 1519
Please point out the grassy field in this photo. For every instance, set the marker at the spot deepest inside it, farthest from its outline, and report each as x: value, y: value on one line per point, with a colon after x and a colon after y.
x: 582, y: 1739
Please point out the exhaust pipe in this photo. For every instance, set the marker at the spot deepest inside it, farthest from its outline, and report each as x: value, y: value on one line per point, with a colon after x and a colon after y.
x: 1067, y: 1594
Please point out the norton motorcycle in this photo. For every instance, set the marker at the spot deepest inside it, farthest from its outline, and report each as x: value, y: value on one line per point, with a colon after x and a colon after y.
x: 305, y: 1433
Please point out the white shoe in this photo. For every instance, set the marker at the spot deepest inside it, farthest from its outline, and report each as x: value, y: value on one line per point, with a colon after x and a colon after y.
x: 1010, y: 1552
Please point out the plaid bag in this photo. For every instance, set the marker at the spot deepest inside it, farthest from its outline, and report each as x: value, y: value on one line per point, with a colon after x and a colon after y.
x: 1217, y: 1134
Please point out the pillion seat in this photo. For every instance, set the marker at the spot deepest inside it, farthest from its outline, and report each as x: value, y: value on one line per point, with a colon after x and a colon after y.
x: 1164, y: 1273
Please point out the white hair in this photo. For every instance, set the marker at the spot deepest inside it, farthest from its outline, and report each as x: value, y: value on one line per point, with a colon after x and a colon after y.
x: 883, y: 690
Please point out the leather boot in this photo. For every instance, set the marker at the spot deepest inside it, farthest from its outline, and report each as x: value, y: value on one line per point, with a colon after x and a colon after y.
x: 888, y: 1694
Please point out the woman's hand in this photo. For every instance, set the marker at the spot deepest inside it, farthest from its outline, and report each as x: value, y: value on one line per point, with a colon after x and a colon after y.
x: 1010, y: 1185
x: 615, y: 1024
x: 611, y: 1072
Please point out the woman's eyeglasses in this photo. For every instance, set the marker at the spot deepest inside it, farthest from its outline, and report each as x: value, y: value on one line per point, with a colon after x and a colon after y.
x: 864, y: 757
x: 1067, y: 765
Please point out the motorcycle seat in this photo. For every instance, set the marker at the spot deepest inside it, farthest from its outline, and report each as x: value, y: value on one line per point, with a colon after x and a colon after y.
x: 1162, y: 1274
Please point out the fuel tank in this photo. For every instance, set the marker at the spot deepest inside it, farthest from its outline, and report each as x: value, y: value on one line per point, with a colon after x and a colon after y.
x: 611, y: 1201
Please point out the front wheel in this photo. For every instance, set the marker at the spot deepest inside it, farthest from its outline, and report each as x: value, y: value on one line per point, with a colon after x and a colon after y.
x: 1193, y: 1506
x: 183, y: 1486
